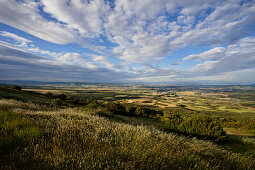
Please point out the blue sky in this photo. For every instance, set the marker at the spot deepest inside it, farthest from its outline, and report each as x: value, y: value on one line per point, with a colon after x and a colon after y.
x: 128, y: 41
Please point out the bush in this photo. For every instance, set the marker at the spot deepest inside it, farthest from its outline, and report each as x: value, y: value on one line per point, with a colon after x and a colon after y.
x: 104, y: 112
x: 16, y: 87
x: 182, y: 105
x: 130, y: 110
x: 199, y: 125
x: 116, y: 108
x: 62, y: 96
x: 146, y: 112
x: 56, y: 103
x: 93, y: 104
x: 173, y: 122
x: 49, y: 94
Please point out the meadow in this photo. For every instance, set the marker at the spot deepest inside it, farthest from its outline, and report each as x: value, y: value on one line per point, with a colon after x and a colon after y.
x: 43, y: 129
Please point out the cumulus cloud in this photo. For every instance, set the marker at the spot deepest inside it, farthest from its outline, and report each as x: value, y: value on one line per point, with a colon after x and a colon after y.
x: 20, y: 40
x: 211, y: 54
x: 20, y: 65
x: 68, y: 58
x: 234, y: 57
x: 140, y: 34
x: 144, y: 30
x: 25, y: 16
x: 104, y: 60
x: 85, y: 16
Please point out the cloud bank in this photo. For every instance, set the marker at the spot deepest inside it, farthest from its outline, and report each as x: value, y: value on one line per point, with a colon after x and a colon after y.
x: 141, y: 38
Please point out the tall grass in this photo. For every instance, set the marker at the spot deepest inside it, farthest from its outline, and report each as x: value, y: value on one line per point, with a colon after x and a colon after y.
x: 73, y: 139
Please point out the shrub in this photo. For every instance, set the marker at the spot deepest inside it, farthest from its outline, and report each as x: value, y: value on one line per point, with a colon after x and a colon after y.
x: 182, y: 105
x: 62, y: 96
x: 145, y: 112
x: 199, y: 125
x: 49, y: 94
x: 104, y: 112
x: 173, y: 122
x: 93, y: 104
x: 130, y: 110
x: 16, y: 87
x: 203, y: 126
x: 160, y: 113
x: 116, y: 108
x: 56, y: 103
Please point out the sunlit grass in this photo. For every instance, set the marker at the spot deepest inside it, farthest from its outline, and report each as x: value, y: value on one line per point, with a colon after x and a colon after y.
x: 76, y: 139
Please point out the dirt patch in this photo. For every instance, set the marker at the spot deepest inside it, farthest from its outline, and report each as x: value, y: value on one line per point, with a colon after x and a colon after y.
x: 224, y: 98
x: 166, y: 104
x: 251, y: 108
x: 187, y: 93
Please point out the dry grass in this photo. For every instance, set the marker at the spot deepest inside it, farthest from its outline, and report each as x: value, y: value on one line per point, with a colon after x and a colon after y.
x: 74, y: 139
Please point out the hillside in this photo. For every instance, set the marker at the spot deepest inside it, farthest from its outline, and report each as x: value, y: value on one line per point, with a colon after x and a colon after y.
x: 37, y: 135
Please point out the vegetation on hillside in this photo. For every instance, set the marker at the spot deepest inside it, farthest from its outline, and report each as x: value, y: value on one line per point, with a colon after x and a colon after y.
x: 71, y: 139
x: 59, y: 131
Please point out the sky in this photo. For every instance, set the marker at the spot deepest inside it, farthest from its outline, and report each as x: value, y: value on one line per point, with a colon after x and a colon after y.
x: 128, y: 41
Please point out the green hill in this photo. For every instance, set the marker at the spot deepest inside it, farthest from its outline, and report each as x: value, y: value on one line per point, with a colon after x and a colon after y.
x: 36, y: 133
x: 37, y: 137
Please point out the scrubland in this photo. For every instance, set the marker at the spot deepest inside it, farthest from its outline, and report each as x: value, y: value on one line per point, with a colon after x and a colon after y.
x: 37, y: 136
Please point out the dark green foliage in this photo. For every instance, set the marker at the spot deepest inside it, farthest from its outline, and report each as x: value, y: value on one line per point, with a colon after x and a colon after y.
x: 16, y: 87
x: 199, y: 125
x: 181, y: 105
x: 105, y: 112
x: 56, y: 103
x: 116, y: 108
x: 130, y: 110
x: 93, y: 104
x: 173, y: 122
x: 61, y: 96
x: 160, y: 113
x: 203, y: 126
x: 49, y: 94
x: 145, y: 112
x: 141, y: 111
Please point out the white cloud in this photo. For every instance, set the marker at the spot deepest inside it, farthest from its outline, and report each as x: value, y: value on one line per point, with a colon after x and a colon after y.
x: 20, y: 40
x: 144, y: 30
x: 25, y: 16
x: 68, y: 58
x: 86, y: 17
x: 75, y: 59
x: 20, y: 65
x: 143, y: 33
x: 105, y: 61
x: 234, y: 57
x: 211, y: 54
x: 154, y: 79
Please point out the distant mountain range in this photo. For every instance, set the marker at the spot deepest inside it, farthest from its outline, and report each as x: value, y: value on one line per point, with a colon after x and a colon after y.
x: 31, y: 82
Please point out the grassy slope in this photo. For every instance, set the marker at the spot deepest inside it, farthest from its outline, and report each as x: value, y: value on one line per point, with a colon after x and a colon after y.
x: 71, y: 139
x: 22, y: 95
x: 75, y: 139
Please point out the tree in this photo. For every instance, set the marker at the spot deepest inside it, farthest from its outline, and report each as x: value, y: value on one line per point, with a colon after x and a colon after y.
x: 116, y: 108
x: 16, y: 87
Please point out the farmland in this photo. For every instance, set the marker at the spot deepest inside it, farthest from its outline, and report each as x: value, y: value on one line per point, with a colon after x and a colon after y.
x: 230, y: 98
x: 76, y: 126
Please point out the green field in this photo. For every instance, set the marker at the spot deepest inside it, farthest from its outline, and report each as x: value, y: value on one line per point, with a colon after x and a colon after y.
x: 229, y: 99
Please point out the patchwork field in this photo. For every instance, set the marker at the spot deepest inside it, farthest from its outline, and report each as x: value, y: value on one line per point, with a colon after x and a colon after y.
x: 208, y: 99
x: 219, y: 100
x: 122, y: 126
